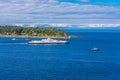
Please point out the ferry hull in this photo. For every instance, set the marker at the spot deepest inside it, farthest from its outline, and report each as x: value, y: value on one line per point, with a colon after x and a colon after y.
x: 48, y: 42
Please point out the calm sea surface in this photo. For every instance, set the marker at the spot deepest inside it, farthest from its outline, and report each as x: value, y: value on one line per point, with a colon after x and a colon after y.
x: 74, y: 61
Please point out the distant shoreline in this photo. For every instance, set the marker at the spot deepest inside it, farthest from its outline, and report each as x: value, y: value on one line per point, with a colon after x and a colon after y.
x: 22, y: 36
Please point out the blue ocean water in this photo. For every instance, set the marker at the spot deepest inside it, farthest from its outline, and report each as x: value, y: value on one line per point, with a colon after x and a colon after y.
x: 74, y: 61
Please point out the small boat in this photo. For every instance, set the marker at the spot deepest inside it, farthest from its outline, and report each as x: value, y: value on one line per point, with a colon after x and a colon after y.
x: 48, y: 41
x: 95, y: 49
x: 13, y: 39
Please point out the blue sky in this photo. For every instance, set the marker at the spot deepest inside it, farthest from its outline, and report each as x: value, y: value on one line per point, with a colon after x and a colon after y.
x: 59, y: 11
x: 95, y: 2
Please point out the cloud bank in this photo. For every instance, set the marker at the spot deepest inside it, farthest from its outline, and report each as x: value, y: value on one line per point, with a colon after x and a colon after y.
x: 20, y: 11
x: 85, y: 0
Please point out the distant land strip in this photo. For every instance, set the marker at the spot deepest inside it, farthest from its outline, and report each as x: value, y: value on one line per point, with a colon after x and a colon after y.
x: 17, y: 31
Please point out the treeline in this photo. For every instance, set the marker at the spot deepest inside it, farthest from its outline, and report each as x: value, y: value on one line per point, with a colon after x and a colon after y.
x: 30, y: 31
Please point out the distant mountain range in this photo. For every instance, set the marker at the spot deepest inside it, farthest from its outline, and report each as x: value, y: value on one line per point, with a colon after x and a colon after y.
x: 68, y: 25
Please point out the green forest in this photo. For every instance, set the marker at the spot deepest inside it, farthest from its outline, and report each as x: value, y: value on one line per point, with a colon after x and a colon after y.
x: 31, y: 31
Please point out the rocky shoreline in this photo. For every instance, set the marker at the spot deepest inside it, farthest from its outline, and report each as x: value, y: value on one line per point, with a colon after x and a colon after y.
x: 22, y: 36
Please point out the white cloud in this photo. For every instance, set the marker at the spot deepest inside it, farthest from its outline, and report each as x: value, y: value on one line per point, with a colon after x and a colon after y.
x: 35, y: 10
x: 85, y: 0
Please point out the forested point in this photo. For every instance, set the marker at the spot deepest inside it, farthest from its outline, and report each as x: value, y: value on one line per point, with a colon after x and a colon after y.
x: 31, y: 31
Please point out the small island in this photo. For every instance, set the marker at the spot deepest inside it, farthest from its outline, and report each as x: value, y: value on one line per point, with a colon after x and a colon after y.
x: 18, y: 31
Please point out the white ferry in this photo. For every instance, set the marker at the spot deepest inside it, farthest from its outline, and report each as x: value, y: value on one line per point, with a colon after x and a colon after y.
x: 48, y: 41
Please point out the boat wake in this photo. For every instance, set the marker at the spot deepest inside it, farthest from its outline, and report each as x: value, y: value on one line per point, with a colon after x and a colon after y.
x: 11, y: 43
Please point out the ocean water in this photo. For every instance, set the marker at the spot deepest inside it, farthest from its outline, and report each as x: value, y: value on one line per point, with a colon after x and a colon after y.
x: 74, y: 61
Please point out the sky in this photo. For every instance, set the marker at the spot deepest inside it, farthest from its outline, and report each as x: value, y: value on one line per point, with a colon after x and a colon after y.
x: 59, y: 11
